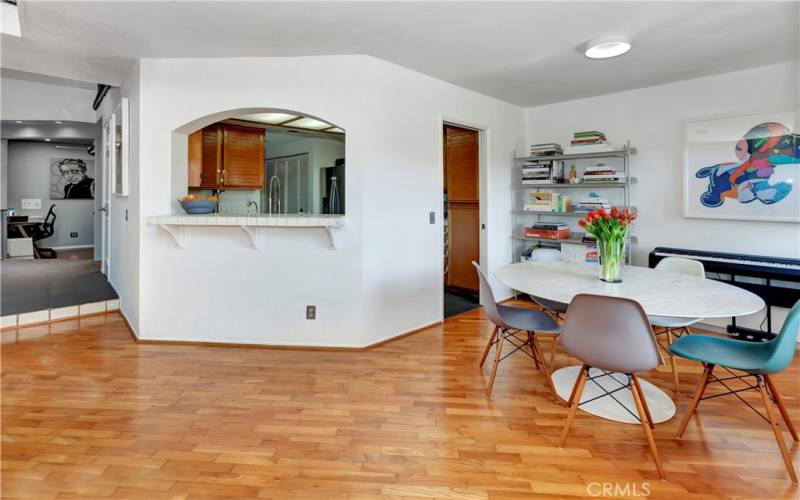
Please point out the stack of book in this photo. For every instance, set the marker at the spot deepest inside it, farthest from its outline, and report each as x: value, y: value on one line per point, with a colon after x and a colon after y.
x: 592, y: 202
x: 601, y: 173
x: 539, y: 172
x: 546, y: 201
x: 547, y: 148
x: 548, y: 231
x: 588, y: 141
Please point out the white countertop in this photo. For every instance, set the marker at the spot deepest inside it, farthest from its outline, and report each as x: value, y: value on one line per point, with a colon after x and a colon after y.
x: 264, y: 220
x: 176, y: 224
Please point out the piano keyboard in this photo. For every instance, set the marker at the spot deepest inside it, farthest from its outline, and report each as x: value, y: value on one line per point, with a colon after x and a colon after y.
x: 728, y: 260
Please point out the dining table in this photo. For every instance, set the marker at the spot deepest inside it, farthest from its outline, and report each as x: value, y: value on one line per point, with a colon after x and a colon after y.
x: 660, y: 293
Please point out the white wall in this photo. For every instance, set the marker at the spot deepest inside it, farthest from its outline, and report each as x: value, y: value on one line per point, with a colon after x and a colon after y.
x: 386, y: 279
x: 652, y: 118
x: 29, y: 177
x: 3, y: 173
x: 27, y: 100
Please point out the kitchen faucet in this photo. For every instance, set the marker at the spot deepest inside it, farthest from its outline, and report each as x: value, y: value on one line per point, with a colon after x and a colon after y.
x: 275, y: 191
x: 252, y: 203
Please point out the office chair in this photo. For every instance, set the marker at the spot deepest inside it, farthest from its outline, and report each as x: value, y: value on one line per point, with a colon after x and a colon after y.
x: 45, y: 230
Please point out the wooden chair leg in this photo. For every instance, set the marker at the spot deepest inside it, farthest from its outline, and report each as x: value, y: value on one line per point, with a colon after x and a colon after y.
x: 673, y: 364
x: 533, y: 351
x: 489, y: 346
x: 776, y: 429
x: 779, y: 401
x: 553, y: 350
x: 635, y: 380
x: 581, y: 374
x: 577, y: 391
x: 498, y: 350
x: 644, y: 417
x: 545, y: 368
x: 698, y: 393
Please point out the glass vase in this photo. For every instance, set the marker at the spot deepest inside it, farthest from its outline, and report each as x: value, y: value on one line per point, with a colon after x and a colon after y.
x: 611, y: 254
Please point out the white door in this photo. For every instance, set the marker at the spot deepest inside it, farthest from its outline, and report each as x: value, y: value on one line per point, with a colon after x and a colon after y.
x: 105, y: 209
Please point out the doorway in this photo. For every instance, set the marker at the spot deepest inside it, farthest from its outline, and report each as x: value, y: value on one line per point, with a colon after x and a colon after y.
x: 461, y: 218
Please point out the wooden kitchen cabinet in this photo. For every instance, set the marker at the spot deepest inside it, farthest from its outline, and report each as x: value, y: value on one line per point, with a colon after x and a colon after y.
x: 225, y: 156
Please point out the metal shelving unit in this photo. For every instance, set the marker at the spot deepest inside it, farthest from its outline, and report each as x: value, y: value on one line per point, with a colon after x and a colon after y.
x: 519, y: 216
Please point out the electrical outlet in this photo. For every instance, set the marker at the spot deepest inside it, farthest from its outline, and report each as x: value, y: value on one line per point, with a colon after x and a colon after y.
x: 32, y: 203
x: 432, y: 217
x: 311, y: 312
x: 73, y: 234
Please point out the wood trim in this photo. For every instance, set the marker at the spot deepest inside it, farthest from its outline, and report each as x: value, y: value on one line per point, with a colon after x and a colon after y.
x: 279, y: 346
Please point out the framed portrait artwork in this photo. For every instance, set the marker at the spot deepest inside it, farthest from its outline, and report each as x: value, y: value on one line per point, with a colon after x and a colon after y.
x: 743, y: 167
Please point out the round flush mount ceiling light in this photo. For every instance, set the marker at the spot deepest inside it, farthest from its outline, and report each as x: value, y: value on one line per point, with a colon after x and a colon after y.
x: 608, y: 46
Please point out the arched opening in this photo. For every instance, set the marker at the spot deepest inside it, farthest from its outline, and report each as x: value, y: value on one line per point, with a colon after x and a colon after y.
x: 260, y: 160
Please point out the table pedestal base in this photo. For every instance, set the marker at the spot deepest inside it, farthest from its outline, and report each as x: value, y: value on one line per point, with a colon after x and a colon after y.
x: 620, y: 406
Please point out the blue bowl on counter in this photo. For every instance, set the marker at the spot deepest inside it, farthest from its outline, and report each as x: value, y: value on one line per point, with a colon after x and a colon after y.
x: 198, y: 206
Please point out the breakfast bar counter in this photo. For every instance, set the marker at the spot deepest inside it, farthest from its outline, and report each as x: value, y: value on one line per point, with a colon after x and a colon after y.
x: 177, y: 224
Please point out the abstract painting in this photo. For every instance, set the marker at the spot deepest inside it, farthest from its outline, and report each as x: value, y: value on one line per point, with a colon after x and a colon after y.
x: 744, y: 167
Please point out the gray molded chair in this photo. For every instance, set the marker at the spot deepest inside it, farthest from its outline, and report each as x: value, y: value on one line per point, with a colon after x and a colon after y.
x: 673, y: 327
x: 509, y: 321
x: 555, y: 309
x: 613, y: 335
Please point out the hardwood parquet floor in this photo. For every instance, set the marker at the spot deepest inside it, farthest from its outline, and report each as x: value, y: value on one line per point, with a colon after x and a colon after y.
x: 89, y: 413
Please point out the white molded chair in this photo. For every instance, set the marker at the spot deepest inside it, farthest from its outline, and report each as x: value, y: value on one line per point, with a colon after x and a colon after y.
x: 674, y: 326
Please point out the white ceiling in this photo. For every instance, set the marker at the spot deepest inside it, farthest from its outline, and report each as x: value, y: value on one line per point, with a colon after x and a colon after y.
x: 526, y: 53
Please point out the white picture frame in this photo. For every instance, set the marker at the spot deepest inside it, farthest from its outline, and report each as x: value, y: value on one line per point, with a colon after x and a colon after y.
x: 120, y: 166
x: 722, y: 179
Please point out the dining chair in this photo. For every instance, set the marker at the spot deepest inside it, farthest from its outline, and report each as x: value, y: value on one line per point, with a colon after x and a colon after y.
x: 611, y: 334
x: 508, y: 322
x: 756, y: 359
x: 675, y: 327
x: 555, y: 309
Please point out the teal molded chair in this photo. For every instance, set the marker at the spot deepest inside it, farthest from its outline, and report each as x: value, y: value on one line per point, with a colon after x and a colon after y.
x: 759, y: 360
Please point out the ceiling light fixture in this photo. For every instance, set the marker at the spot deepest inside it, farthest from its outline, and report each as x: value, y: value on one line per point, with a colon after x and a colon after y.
x: 608, y: 46
x: 59, y: 123
x: 47, y: 140
x: 19, y: 121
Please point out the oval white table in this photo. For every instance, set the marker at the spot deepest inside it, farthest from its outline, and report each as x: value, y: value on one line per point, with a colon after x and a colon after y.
x: 661, y: 293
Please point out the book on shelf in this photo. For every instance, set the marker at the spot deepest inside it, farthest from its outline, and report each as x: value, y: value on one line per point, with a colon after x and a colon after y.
x: 588, y: 148
x: 547, y: 148
x: 548, y: 231
x: 546, y: 201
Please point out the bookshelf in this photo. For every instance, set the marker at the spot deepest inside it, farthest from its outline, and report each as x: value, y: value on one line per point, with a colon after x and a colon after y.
x: 618, y: 194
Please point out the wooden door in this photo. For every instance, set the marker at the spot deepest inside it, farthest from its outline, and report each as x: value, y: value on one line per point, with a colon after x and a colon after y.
x: 462, y: 188
x: 205, y: 157
x: 242, y: 157
x: 461, y: 164
x: 463, y: 228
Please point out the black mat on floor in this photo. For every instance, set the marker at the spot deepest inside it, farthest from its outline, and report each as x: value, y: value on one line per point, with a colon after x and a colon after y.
x: 36, y: 284
x: 457, y: 303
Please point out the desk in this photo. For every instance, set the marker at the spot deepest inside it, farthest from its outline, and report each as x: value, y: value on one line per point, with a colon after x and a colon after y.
x: 661, y: 293
x: 24, y: 228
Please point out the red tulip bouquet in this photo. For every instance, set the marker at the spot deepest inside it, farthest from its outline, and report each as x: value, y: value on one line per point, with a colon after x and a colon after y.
x: 611, y: 230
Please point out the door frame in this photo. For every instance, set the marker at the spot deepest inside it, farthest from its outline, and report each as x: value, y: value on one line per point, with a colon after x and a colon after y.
x: 483, y: 229
x: 108, y: 157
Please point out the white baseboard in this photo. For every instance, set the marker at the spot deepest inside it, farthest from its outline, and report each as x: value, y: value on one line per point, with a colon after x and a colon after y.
x: 73, y: 247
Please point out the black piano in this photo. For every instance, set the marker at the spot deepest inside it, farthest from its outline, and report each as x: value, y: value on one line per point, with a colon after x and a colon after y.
x: 776, y: 273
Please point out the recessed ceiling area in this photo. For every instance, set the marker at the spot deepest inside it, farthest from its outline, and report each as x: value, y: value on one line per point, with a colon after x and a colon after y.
x: 526, y: 53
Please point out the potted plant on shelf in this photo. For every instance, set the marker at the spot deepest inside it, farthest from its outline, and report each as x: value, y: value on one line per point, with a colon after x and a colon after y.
x: 611, y: 229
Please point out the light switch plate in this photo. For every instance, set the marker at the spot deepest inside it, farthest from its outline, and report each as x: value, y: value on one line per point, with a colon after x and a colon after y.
x: 31, y: 203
